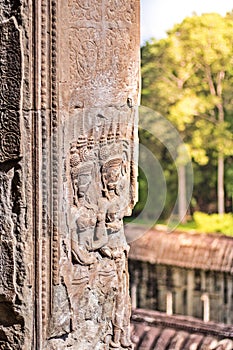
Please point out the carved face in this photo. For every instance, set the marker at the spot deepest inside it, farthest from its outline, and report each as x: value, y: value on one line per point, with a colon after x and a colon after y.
x: 82, y: 183
x: 112, y: 176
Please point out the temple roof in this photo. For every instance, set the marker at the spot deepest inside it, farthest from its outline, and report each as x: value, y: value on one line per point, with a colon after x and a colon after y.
x: 189, y: 250
x: 152, y: 330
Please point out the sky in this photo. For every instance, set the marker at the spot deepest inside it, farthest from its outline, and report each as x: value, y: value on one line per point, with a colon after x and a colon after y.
x: 158, y: 16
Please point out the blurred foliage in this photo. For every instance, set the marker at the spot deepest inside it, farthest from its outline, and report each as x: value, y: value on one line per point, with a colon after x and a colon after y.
x: 214, y: 223
x: 188, y: 78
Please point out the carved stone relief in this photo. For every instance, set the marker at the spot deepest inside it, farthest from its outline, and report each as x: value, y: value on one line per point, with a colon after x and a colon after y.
x: 90, y: 10
x: 100, y: 34
x: 10, y: 89
x: 15, y: 320
x: 98, y: 194
x: 68, y: 111
x: 98, y: 68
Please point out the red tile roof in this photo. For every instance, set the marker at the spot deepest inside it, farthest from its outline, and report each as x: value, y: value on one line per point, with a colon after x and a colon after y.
x: 152, y: 330
x: 189, y: 250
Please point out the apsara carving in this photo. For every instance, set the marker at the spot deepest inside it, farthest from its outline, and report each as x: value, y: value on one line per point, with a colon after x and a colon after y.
x: 100, y: 176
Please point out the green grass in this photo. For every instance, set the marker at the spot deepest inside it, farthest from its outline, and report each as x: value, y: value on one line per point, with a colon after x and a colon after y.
x: 137, y: 221
x: 202, y: 223
x: 188, y: 226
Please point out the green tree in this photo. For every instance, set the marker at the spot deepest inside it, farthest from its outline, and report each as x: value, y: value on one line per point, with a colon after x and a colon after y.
x: 188, y: 77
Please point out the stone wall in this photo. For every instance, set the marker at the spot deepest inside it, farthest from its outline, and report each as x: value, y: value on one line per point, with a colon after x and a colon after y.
x: 153, y: 285
x: 16, y: 195
x: 69, y: 73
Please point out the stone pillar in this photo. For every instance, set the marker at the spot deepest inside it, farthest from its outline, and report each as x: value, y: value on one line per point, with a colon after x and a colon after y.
x: 69, y: 74
x: 169, y: 303
x: 206, y: 307
x: 190, y: 292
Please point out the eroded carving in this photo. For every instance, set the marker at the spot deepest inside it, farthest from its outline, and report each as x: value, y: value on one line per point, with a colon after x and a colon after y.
x: 100, y: 176
x: 121, y: 11
x: 86, y: 9
x: 97, y: 98
x: 9, y: 8
x: 76, y: 268
x: 10, y: 90
x: 10, y: 211
x: 98, y: 60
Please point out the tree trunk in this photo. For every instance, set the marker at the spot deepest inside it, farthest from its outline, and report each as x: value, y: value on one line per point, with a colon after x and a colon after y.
x: 218, y: 92
x: 182, y: 193
x: 221, y: 208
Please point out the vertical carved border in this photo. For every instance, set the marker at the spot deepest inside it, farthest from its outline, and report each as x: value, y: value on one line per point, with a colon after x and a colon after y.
x: 50, y: 158
x: 36, y: 92
x: 55, y: 158
x: 44, y: 161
